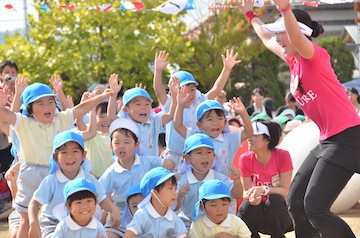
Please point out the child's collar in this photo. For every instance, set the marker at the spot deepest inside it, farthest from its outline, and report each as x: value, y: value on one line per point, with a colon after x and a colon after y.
x: 75, y: 227
x: 152, y: 211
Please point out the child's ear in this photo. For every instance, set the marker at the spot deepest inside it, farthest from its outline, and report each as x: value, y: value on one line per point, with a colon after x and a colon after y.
x: 187, y: 158
x: 84, y: 154
x: 126, y: 109
x: 202, y: 208
x: 55, y: 157
x: 67, y: 206
x: 198, y: 124
x: 137, y: 144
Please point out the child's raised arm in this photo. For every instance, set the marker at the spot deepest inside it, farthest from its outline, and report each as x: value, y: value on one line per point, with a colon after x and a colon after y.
x: 237, y: 105
x: 116, y: 86
x: 174, y: 85
x: 237, y: 189
x: 229, y: 62
x: 57, y: 84
x: 84, y: 107
x: 160, y: 64
x: 20, y: 85
x: 182, y: 98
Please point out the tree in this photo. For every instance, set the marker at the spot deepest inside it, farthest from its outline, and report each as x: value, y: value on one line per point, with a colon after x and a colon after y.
x: 85, y: 47
x: 341, y: 58
x: 229, y: 30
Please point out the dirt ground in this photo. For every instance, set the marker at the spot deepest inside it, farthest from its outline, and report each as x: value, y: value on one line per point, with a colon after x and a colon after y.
x: 352, y: 217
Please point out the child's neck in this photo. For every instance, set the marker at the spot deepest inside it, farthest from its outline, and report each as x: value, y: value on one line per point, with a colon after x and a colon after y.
x: 127, y: 164
x: 199, y: 176
x: 158, y: 207
x: 79, y: 222
x: 70, y: 175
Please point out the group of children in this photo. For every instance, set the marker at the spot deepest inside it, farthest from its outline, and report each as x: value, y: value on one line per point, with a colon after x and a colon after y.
x: 139, y: 193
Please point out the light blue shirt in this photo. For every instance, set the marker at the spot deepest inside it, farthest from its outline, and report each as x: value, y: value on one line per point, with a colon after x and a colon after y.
x: 147, y: 222
x: 50, y: 192
x: 149, y: 132
x: 116, y: 179
x: 174, y: 141
x: 69, y: 228
x: 226, y: 146
x: 190, y: 199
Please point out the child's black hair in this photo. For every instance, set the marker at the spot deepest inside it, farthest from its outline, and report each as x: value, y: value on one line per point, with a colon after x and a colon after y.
x: 79, y: 196
x: 205, y: 200
x: 9, y: 63
x: 57, y: 150
x: 160, y: 186
x: 161, y: 140
x: 103, y: 107
x: 125, y: 132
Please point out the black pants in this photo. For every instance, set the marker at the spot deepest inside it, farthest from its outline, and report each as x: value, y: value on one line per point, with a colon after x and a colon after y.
x: 314, y: 189
x: 270, y: 217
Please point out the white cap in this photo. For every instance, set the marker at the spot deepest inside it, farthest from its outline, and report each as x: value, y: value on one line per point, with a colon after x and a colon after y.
x: 278, y: 26
x: 292, y: 125
x: 124, y: 123
x: 260, y: 129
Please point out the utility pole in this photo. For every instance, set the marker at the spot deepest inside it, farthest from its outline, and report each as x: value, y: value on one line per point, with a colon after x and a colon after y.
x: 26, y: 21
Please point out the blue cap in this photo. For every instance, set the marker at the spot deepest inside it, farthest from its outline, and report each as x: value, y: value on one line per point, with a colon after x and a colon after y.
x: 211, y: 190
x: 92, y: 87
x: 207, y: 105
x: 34, y: 92
x: 67, y: 136
x: 77, y: 185
x: 132, y: 93
x: 153, y: 178
x: 135, y: 189
x: 197, y: 141
x: 185, y: 78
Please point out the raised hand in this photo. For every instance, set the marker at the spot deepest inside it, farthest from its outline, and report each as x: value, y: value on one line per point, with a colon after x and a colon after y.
x: 4, y: 97
x: 183, y: 96
x: 160, y: 61
x: 114, y: 83
x: 20, y: 84
x: 139, y: 85
x: 57, y: 83
x: 237, y: 105
x: 230, y: 60
x: 174, y: 85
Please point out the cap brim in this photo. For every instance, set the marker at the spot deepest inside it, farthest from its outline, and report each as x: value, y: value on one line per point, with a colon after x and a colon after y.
x: 188, y: 82
x: 216, y: 196
x: 41, y: 96
x: 279, y: 27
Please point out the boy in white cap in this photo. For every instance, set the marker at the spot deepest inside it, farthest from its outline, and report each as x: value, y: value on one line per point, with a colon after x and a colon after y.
x: 81, y: 199
x: 214, y: 201
x: 130, y: 166
x: 137, y: 107
x: 199, y: 156
x: 67, y: 163
x: 155, y: 218
x: 36, y: 129
x: 174, y: 140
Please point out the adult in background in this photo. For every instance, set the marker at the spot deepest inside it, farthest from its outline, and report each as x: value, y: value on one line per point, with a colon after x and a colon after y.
x: 257, y: 103
x: 266, y: 176
x: 354, y: 97
x: 314, y: 85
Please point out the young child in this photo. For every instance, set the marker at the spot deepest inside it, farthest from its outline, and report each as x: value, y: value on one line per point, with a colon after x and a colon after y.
x: 214, y: 201
x: 174, y: 141
x: 67, y: 163
x: 130, y: 166
x: 81, y: 198
x: 133, y: 199
x: 155, y: 218
x: 137, y: 107
x: 199, y: 154
x: 98, y: 150
x: 36, y: 129
x: 211, y: 120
